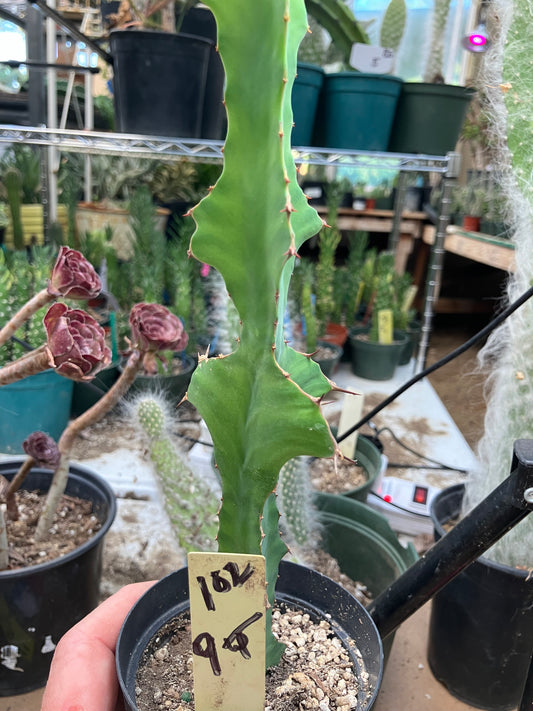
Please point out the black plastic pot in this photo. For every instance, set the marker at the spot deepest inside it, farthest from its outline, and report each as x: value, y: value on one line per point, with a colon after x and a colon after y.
x: 85, y: 395
x: 160, y: 84
x: 40, y: 603
x: 297, y: 585
x: 174, y: 386
x: 328, y: 363
x: 481, y: 625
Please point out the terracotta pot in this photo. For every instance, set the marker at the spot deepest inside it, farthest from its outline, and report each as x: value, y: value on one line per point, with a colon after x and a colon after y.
x: 335, y: 333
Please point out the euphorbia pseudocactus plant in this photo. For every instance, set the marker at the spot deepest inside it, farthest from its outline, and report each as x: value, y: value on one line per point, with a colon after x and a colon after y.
x: 261, y: 403
x: 76, y: 349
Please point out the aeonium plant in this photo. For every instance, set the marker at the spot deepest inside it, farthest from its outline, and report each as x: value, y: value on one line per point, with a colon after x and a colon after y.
x: 75, y: 348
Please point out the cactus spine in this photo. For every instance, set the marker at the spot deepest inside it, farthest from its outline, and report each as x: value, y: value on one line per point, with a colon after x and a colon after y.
x: 191, y: 506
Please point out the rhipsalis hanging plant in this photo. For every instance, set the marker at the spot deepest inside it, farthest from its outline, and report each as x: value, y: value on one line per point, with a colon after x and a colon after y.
x: 261, y: 403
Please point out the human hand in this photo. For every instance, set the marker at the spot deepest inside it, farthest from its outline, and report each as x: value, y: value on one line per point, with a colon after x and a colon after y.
x: 82, y: 675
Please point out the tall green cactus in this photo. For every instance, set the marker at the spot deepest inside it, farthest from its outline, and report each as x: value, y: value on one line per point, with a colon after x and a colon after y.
x: 13, y: 183
x: 261, y: 402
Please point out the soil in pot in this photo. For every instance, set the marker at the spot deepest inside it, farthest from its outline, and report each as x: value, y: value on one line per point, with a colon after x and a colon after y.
x: 74, y: 524
x: 343, y: 476
x: 315, y: 667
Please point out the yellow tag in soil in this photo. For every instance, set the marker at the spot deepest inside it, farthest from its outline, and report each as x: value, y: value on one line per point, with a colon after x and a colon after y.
x: 228, y: 602
x: 385, y: 326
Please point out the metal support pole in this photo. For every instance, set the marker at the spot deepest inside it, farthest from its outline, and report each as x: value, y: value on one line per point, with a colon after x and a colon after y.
x: 53, y: 157
x: 464, y: 543
x: 89, y: 126
x: 399, y: 201
x: 35, y: 50
x: 434, y: 274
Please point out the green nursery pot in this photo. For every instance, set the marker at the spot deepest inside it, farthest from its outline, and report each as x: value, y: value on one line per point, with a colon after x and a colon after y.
x: 375, y: 361
x: 305, y: 93
x: 357, y: 110
x: 364, y: 544
x: 429, y: 118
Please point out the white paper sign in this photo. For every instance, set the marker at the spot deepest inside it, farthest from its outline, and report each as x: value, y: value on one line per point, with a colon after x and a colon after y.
x: 371, y: 59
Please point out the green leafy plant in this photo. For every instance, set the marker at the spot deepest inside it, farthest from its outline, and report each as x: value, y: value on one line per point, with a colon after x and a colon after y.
x: 21, y: 277
x: 250, y: 230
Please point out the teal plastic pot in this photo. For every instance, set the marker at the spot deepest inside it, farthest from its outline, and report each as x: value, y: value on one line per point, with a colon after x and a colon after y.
x: 305, y: 93
x: 375, y: 361
x: 364, y: 544
x: 39, y: 402
x: 429, y: 118
x: 357, y: 110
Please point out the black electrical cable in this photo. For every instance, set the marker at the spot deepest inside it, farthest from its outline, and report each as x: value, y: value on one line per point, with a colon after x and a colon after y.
x: 443, y: 361
x: 439, y: 465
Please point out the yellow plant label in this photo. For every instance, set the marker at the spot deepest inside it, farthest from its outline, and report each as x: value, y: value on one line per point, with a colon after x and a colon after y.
x: 385, y: 326
x: 228, y: 603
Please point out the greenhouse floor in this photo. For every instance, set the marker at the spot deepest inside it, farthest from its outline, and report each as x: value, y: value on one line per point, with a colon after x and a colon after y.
x: 418, y: 418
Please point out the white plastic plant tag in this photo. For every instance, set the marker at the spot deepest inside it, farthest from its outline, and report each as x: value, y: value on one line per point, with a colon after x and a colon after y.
x: 352, y: 409
x: 372, y: 59
x: 228, y: 603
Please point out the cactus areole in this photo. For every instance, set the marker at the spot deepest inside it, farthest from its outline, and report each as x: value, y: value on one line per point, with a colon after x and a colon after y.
x: 262, y: 402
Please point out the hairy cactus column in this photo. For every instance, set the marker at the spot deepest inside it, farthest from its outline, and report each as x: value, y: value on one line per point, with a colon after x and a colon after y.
x: 254, y: 401
x: 508, y: 81
x: 190, y: 504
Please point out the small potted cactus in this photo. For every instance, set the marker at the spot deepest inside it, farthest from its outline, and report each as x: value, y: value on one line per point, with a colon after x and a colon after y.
x: 58, y: 591
x: 261, y: 403
x: 376, y: 348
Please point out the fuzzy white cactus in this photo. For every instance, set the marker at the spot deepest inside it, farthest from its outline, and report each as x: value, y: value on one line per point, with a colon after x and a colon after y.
x: 190, y: 504
x: 508, y: 81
